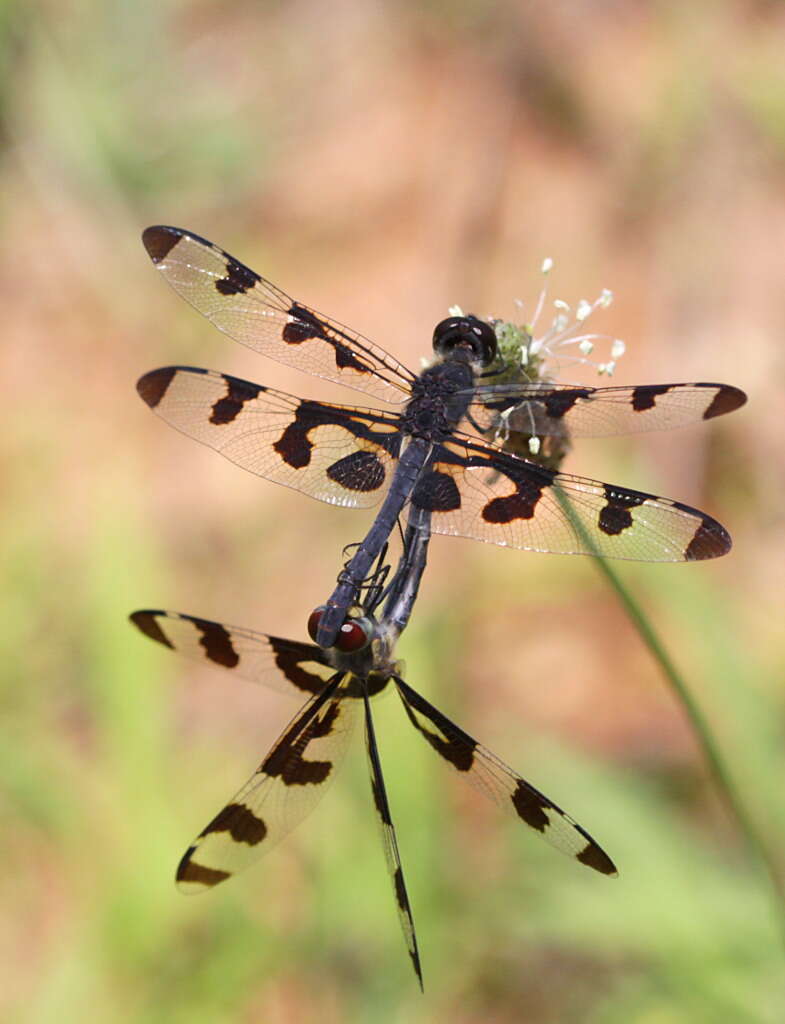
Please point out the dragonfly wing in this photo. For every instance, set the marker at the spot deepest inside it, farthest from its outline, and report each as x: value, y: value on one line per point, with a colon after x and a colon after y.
x: 285, y: 665
x: 390, y: 842
x: 498, y: 782
x: 335, y: 453
x: 283, y: 790
x: 256, y: 313
x: 480, y: 492
x: 569, y: 410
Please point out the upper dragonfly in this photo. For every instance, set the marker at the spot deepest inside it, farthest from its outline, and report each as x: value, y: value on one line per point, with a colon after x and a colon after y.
x: 339, y: 681
x: 347, y: 456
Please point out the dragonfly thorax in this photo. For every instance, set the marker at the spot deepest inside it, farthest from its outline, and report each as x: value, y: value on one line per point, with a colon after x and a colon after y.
x: 439, y: 400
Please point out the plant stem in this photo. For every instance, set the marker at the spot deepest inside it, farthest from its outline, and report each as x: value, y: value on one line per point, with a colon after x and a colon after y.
x: 698, y: 723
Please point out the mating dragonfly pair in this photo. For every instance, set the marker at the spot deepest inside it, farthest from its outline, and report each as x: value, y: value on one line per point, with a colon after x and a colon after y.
x: 447, y: 481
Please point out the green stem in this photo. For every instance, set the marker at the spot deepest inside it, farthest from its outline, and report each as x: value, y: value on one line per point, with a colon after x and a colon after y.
x: 698, y: 723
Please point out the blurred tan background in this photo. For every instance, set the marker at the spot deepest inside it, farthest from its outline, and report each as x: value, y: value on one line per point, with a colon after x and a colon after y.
x: 382, y: 162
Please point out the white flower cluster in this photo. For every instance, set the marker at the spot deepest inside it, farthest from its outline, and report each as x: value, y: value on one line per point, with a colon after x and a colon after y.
x: 528, y: 357
x: 559, y: 342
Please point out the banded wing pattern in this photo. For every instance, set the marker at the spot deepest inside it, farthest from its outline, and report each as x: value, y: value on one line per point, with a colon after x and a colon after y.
x: 292, y: 778
x: 258, y: 314
x: 287, y: 666
x: 283, y: 790
x: 476, y: 764
x: 501, y: 784
x: 346, y: 456
x: 568, y: 410
x: 390, y: 842
x: 335, y: 453
x: 475, y: 491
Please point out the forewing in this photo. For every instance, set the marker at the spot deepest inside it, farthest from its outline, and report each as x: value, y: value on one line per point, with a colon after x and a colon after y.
x: 257, y: 314
x: 284, y: 665
x: 334, y: 453
x: 282, y: 791
x: 476, y: 491
x: 390, y: 842
x: 500, y: 783
x: 567, y: 410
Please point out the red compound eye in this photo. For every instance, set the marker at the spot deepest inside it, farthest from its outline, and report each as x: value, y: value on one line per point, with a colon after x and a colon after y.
x: 353, y: 635
x: 313, y: 621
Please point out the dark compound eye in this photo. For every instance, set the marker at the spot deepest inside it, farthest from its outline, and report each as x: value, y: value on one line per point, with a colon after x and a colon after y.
x: 465, y: 330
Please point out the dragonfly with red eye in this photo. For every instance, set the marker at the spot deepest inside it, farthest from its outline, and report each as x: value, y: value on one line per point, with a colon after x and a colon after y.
x: 350, y: 456
x: 294, y: 775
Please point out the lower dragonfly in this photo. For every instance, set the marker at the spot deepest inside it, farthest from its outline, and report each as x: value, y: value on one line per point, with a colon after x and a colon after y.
x: 295, y: 773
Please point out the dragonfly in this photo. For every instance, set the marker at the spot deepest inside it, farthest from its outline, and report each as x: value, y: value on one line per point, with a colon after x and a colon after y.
x: 338, y: 682
x: 353, y: 456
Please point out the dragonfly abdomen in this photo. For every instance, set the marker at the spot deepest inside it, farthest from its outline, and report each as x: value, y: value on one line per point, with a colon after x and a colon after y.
x: 404, y: 481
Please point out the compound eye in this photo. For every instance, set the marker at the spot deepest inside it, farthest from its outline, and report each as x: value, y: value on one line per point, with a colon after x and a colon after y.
x: 483, y: 339
x: 448, y: 333
x: 314, y: 619
x: 353, y: 635
x: 465, y: 330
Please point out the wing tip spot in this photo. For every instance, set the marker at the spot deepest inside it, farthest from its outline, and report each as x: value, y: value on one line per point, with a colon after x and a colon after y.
x: 159, y: 241
x: 593, y: 856
x: 727, y: 399
x: 711, y: 540
x: 146, y: 621
x: 189, y: 874
x: 153, y: 385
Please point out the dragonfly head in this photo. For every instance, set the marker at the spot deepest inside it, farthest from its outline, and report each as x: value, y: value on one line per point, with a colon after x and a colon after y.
x: 467, y: 334
x: 354, y: 635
